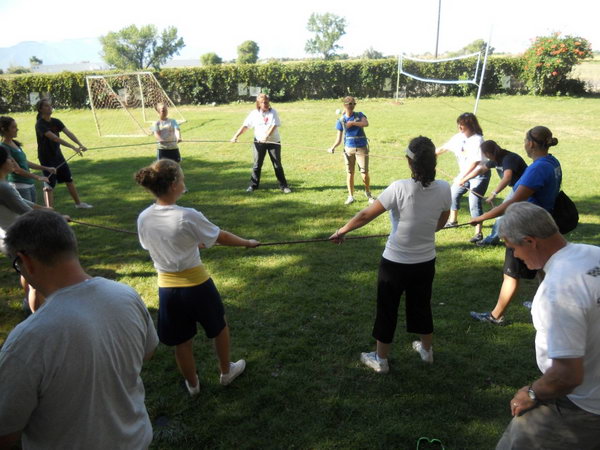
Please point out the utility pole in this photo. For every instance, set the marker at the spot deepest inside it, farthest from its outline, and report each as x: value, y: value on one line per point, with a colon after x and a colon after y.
x: 437, y: 37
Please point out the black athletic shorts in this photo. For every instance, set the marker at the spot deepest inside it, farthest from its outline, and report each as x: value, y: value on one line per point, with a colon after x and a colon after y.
x: 180, y: 308
x: 169, y: 154
x: 515, y: 268
x: 63, y: 174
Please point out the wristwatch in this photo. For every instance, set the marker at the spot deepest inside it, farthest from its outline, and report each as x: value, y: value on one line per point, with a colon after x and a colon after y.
x: 531, y: 394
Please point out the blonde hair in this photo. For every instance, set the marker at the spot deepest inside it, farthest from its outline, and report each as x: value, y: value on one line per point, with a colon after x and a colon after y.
x: 260, y: 97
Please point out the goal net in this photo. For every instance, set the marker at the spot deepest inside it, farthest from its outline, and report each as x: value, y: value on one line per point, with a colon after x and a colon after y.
x: 123, y: 105
x: 421, y: 69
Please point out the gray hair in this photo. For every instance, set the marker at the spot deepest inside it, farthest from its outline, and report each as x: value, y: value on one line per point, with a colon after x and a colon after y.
x: 524, y: 219
x: 43, y: 235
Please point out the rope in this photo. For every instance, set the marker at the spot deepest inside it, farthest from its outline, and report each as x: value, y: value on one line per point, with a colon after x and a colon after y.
x: 87, y: 224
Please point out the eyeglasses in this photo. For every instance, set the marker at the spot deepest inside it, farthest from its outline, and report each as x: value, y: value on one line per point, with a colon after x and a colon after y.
x: 16, y: 265
x: 351, y: 104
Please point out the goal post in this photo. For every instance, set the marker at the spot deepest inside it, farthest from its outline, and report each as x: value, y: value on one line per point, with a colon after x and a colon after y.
x: 124, y: 104
x: 476, y: 78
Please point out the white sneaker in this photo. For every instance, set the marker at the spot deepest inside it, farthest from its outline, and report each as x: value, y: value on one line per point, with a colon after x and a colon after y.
x: 83, y: 205
x: 371, y: 360
x: 235, y: 370
x: 370, y: 197
x: 193, y: 390
x: 349, y: 200
x: 426, y: 355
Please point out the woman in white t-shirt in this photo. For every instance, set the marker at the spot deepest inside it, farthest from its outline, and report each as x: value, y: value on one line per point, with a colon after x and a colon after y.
x: 173, y: 235
x: 265, y: 122
x: 418, y: 207
x: 466, y: 146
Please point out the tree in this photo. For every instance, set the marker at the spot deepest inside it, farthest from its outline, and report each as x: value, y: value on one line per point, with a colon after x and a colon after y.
x: 35, y: 61
x: 139, y: 48
x: 15, y: 70
x: 328, y: 29
x: 247, y: 52
x: 210, y: 59
x: 478, y: 45
x: 370, y: 53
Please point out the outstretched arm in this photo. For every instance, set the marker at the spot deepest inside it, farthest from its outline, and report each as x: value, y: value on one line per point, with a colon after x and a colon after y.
x: 506, y: 177
x: 74, y: 139
x: 360, y: 219
x: 338, y: 141
x: 230, y: 239
x: 521, y: 195
x: 238, y: 133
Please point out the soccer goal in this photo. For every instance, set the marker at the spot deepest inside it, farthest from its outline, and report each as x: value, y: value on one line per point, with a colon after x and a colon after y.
x: 474, y: 78
x: 123, y: 104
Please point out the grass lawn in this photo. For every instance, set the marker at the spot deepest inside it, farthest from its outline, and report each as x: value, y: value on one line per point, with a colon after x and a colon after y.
x: 301, y: 314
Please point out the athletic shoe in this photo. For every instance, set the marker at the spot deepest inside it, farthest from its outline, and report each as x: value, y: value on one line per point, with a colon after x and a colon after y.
x: 475, y: 239
x: 374, y: 362
x: 487, y: 241
x: 426, y: 355
x: 486, y: 317
x: 450, y: 224
x: 528, y: 304
x: 286, y: 190
x: 349, y: 200
x: 193, y: 390
x: 235, y: 370
x: 370, y: 198
x: 83, y: 205
x: 250, y: 189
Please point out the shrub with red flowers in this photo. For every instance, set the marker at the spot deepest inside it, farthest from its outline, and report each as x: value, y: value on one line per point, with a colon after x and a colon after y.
x: 550, y: 59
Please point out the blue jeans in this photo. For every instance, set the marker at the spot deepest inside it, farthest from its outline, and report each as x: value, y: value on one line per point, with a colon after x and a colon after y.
x: 493, y: 238
x: 478, y: 184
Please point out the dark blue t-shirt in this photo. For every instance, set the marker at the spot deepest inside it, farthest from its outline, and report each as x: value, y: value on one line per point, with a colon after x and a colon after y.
x: 511, y: 161
x: 354, y: 137
x: 543, y: 176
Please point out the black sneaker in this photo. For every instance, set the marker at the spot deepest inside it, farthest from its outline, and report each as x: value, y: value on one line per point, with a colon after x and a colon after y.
x: 475, y: 239
x: 487, y: 317
x: 250, y: 189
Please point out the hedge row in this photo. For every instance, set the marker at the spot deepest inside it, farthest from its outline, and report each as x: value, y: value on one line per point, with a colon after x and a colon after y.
x: 282, y: 81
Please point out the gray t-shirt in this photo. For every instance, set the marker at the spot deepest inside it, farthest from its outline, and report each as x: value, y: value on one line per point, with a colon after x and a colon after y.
x: 71, y: 372
x: 12, y: 206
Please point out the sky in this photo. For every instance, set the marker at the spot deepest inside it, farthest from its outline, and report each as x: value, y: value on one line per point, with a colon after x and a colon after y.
x: 279, y: 28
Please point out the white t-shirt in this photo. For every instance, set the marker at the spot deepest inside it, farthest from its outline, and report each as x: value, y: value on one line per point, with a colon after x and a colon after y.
x: 467, y: 151
x: 71, y: 372
x: 166, y: 131
x: 414, y: 213
x: 172, y: 235
x: 566, y: 316
x: 261, y: 122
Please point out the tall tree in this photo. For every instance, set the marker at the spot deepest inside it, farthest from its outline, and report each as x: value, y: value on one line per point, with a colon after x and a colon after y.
x: 328, y: 29
x: 210, y: 59
x: 139, y: 48
x: 247, y: 52
x: 35, y: 61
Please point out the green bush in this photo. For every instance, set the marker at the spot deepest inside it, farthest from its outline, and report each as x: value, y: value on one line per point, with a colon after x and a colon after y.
x: 288, y: 81
x: 549, y: 61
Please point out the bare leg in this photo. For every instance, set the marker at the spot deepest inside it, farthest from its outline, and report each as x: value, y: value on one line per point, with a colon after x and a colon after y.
x: 507, y: 292
x: 350, y: 183
x: 426, y: 341
x: 49, y: 198
x: 478, y: 228
x: 366, y: 181
x: 383, y: 350
x: 222, y: 349
x: 184, y: 355
x: 453, y: 215
x: 73, y: 192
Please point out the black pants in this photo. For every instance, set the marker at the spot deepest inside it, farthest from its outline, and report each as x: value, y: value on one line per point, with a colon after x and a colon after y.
x: 260, y: 151
x: 393, y: 280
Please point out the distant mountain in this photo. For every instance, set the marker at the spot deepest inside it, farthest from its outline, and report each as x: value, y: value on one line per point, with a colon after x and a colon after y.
x: 64, y: 52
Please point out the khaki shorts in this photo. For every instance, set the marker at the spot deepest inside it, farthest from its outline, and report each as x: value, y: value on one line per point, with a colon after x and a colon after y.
x: 354, y: 155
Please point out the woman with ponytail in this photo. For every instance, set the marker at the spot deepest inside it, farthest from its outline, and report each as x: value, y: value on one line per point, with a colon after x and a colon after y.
x: 187, y: 294
x: 418, y: 206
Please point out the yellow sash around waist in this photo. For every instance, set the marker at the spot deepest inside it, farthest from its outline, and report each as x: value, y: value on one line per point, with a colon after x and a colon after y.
x: 186, y: 278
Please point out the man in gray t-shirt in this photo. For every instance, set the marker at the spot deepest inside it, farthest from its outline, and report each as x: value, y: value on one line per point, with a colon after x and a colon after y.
x: 71, y: 372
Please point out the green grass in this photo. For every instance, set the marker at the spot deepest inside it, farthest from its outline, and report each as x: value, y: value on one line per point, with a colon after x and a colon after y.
x: 302, y: 314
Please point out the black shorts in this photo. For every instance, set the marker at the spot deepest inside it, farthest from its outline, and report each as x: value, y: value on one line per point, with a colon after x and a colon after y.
x: 63, y: 174
x: 181, y: 307
x: 393, y: 280
x: 515, y: 268
x: 169, y: 154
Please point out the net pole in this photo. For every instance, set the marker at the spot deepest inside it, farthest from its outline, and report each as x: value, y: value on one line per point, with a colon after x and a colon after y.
x: 87, y: 79
x: 398, y: 77
x: 485, y: 58
x: 142, y: 97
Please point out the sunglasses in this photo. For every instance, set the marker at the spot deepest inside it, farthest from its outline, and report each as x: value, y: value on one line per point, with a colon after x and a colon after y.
x: 351, y: 104
x: 15, y: 265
